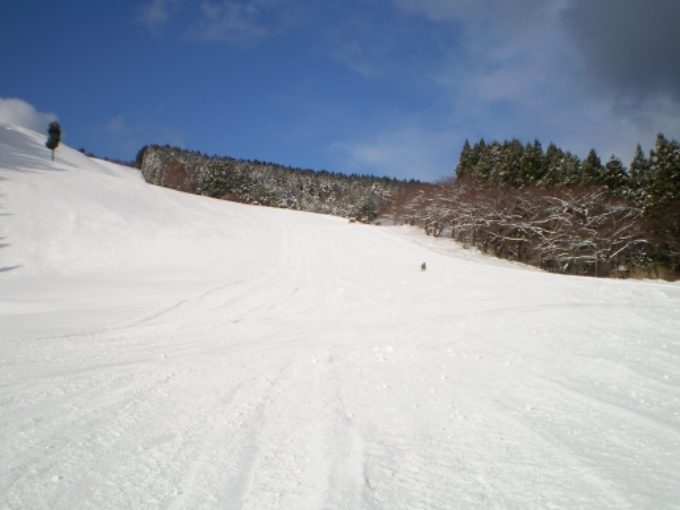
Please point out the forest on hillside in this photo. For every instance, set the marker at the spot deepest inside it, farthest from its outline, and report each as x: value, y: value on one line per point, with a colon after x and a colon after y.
x: 551, y: 209
x: 269, y: 184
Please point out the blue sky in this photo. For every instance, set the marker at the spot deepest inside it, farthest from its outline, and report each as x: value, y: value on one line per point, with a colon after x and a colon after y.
x: 391, y: 87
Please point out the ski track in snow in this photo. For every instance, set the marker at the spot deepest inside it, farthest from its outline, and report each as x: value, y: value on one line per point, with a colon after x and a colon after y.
x: 161, y: 350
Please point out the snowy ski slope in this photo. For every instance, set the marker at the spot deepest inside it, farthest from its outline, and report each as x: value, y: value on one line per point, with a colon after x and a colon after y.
x: 163, y: 350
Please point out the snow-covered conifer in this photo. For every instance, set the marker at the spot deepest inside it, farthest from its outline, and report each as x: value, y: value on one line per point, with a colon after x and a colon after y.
x: 54, y: 137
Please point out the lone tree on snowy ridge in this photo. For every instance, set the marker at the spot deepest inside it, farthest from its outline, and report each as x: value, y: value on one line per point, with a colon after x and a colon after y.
x: 54, y: 137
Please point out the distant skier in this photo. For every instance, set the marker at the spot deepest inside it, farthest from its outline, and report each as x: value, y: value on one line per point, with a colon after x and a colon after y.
x: 423, y: 266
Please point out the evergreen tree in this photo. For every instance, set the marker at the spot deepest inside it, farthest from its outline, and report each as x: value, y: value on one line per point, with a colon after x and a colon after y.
x: 553, y: 166
x: 662, y: 200
x: 640, y: 169
x: 615, y: 176
x: 506, y: 165
x: 366, y: 209
x: 592, y: 171
x: 487, y: 160
x: 214, y: 180
x: 570, y: 169
x: 54, y: 137
x: 532, y: 164
x: 663, y: 187
x: 466, y: 162
x: 479, y: 154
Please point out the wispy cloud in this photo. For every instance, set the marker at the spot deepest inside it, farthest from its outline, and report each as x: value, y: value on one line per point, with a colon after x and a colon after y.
x: 401, y: 153
x: 352, y: 54
x: 155, y: 14
x: 20, y: 113
x: 521, y: 12
x: 128, y: 137
x: 224, y: 21
x: 230, y: 21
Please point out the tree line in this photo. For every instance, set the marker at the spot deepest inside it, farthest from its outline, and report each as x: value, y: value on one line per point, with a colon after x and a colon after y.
x: 651, y: 179
x: 551, y: 209
x: 261, y: 183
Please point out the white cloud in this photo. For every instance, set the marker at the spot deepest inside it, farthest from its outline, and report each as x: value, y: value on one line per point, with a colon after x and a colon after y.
x: 219, y: 21
x: 128, y: 137
x: 155, y: 14
x: 352, y: 54
x: 117, y: 125
x: 400, y: 153
x: 20, y: 113
x: 230, y: 21
x: 521, y: 12
x: 602, y: 125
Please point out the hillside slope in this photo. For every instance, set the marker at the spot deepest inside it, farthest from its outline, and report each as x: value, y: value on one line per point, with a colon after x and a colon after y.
x: 163, y: 350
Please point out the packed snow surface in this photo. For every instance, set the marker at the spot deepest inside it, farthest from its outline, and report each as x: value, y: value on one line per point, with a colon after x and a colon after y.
x: 163, y: 350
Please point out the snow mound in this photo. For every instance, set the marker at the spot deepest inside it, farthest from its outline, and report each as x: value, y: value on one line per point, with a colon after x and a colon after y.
x: 163, y: 350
